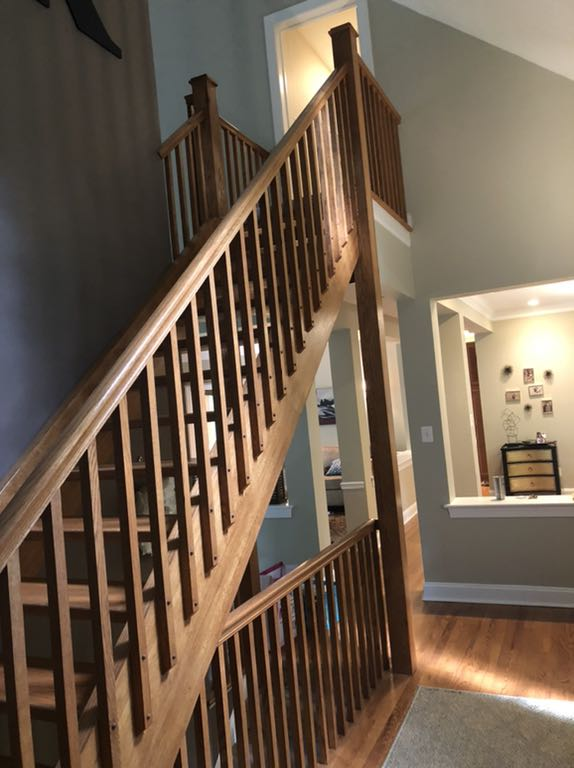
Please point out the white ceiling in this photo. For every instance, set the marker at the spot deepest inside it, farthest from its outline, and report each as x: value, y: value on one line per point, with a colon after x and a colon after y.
x: 540, y: 31
x: 502, y: 305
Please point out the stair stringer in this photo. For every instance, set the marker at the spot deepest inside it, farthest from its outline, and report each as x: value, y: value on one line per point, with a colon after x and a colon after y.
x: 174, y: 695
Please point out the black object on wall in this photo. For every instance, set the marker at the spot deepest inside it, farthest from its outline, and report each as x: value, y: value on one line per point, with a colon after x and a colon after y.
x: 88, y: 21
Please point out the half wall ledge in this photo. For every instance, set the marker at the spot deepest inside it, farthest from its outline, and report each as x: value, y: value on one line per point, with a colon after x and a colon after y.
x: 512, y: 506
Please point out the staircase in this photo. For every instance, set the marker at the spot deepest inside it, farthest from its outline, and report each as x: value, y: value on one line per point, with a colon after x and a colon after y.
x: 127, y: 527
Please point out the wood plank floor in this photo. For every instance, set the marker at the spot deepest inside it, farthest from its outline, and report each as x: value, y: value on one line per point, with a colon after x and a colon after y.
x: 507, y: 650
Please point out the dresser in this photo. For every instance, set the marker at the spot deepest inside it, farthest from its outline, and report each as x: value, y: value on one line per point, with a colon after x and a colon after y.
x: 531, y: 468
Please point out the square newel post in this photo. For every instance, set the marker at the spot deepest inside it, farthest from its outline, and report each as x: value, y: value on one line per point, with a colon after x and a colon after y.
x: 204, y: 99
x: 375, y: 368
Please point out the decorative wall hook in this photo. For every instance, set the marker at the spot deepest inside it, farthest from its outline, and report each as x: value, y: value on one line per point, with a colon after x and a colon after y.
x: 88, y: 21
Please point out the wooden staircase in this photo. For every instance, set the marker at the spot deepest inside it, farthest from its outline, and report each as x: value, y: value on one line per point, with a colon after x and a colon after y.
x: 127, y: 527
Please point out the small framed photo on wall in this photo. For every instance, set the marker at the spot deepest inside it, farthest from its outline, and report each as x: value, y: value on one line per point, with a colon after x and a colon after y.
x: 512, y: 395
x: 547, y: 408
x: 528, y: 375
x: 536, y: 390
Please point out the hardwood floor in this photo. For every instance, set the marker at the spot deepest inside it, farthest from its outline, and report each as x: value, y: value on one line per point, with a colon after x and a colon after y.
x: 506, y: 650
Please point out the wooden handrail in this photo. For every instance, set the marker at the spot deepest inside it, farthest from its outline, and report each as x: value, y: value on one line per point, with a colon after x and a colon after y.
x: 180, y: 133
x: 255, y: 606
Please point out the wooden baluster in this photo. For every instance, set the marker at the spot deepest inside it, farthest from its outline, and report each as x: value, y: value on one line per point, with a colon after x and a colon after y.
x: 380, y: 597
x: 340, y: 105
x: 219, y: 401
x: 325, y: 187
x: 371, y: 324
x: 257, y: 279
x: 316, y: 670
x: 239, y: 708
x: 327, y: 162
x: 349, y: 142
x: 139, y: 674
x: 269, y: 714
x: 373, y: 618
x: 342, y: 226
x: 279, y: 689
x: 385, y: 191
x: 192, y: 183
x: 202, y: 449
x: 305, y: 679
x: 362, y: 629
x: 401, y: 209
x: 292, y: 262
x: 173, y: 228
x: 15, y: 667
x: 201, y: 731
x: 303, y: 240
x: 100, y: 612
x: 327, y: 665
x: 365, y: 588
x: 232, y: 363
x: 254, y: 394
x: 319, y: 226
x: 253, y: 697
x: 313, y: 246
x: 183, y: 210
x: 182, y: 759
x: 370, y: 133
x: 282, y: 276
x: 296, y: 729
x: 231, y: 184
x: 198, y: 141
x: 178, y: 430
x: 356, y: 667
x: 222, y: 708
x: 154, y: 486
x: 272, y: 295
x: 236, y: 171
x: 61, y: 634
x: 346, y: 656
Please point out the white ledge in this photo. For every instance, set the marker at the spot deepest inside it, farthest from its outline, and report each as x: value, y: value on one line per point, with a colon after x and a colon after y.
x: 389, y: 222
x: 511, y: 506
x: 499, y: 594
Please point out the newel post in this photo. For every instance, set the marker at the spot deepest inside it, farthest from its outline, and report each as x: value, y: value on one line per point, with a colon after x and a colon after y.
x: 204, y: 98
x: 375, y: 368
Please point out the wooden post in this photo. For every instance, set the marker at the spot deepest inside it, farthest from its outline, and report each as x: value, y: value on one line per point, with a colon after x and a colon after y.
x: 371, y: 324
x: 204, y: 99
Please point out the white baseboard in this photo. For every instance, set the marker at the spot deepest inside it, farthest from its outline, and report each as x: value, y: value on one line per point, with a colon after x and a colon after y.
x: 499, y: 594
x: 409, y: 512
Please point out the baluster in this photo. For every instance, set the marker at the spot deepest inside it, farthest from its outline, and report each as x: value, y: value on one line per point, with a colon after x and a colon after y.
x: 272, y: 295
x: 316, y: 671
x: 352, y: 626
x: 192, y: 183
x: 201, y: 176
x: 15, y: 667
x: 365, y: 588
x: 270, y: 728
x: 178, y: 432
x: 173, y: 228
x: 362, y: 630
x: 392, y: 181
x: 311, y: 243
x: 328, y: 668
x: 318, y: 148
x: 287, y: 223
x: 61, y: 634
x: 201, y: 731
x: 340, y: 106
x: 139, y: 675
x: 305, y: 678
x: 380, y: 597
x: 401, y: 203
x: 235, y: 157
x: 376, y: 176
x: 222, y: 708
x: 182, y: 198
x: 319, y: 225
x: 239, y: 708
x: 279, y: 689
x: 253, y: 696
x: 219, y: 400
x: 370, y: 132
x: 346, y: 657
x: 303, y: 241
x: 254, y: 394
x: 154, y: 487
x: 99, y: 605
x: 282, y: 275
x: 232, y: 362
x: 339, y: 191
x: 296, y: 730
x: 257, y: 278
x: 182, y: 759
x: 202, y: 449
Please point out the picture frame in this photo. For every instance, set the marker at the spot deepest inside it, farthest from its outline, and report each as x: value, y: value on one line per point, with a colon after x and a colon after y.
x: 547, y: 408
x: 326, y: 406
x: 528, y: 375
x: 512, y: 395
x: 536, y: 390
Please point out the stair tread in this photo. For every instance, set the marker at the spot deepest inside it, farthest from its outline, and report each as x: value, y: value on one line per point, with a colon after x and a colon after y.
x: 35, y: 595
x: 41, y: 685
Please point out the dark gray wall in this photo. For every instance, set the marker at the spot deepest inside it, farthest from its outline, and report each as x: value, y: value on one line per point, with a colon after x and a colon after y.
x: 83, y: 234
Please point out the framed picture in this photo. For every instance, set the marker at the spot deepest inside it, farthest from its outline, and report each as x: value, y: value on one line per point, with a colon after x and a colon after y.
x: 512, y: 395
x: 536, y: 390
x: 528, y: 375
x: 547, y: 408
x: 326, y: 406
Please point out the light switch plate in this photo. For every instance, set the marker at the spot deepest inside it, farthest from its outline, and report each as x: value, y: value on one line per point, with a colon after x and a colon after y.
x: 427, y: 435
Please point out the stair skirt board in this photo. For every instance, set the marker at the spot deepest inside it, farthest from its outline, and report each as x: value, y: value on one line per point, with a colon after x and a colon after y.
x: 499, y: 594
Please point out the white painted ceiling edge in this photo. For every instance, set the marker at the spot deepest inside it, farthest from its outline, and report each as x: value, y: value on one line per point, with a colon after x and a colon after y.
x: 540, y: 31
x: 514, y: 302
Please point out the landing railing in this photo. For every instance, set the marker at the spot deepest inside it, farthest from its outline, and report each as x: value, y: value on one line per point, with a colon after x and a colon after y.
x: 296, y: 663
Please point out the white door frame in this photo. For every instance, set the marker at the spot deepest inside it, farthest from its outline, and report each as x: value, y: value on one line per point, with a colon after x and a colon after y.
x: 275, y: 23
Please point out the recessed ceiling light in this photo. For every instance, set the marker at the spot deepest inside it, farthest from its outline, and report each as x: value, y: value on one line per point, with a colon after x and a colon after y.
x: 533, y: 302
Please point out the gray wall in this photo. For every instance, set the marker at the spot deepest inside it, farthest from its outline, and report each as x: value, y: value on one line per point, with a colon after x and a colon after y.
x: 83, y: 234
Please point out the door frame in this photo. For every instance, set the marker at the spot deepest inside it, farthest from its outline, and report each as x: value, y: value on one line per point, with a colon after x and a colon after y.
x: 276, y: 23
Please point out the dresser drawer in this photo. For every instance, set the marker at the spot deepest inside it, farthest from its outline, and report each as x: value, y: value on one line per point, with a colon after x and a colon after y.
x: 532, y: 484
x: 545, y: 468
x: 526, y: 454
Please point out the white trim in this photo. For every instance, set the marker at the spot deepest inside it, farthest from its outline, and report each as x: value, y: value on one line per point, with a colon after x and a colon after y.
x: 511, y: 506
x: 352, y: 485
x: 275, y: 23
x: 499, y: 594
x: 275, y: 511
x: 404, y: 459
x: 389, y: 222
x: 410, y: 512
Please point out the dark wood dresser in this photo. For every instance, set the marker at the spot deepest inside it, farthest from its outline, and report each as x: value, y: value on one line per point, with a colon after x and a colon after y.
x: 531, y: 468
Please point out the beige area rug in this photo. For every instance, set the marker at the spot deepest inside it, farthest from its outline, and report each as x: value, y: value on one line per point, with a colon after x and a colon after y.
x: 455, y: 729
